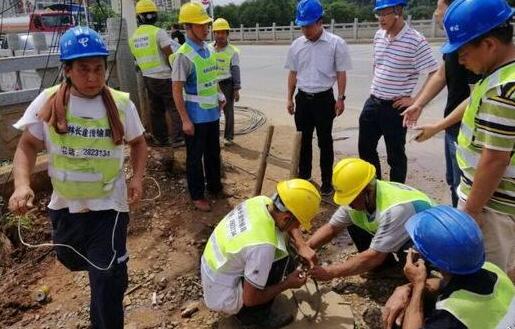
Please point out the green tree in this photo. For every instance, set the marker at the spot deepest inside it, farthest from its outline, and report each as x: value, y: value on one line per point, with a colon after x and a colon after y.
x: 100, y: 11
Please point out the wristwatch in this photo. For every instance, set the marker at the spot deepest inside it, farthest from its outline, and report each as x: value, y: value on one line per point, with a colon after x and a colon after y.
x: 341, y: 98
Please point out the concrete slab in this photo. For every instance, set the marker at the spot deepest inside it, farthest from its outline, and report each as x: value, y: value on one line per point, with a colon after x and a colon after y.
x: 334, y: 312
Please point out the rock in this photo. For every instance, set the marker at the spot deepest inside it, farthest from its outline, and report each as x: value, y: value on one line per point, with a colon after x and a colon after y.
x: 127, y: 301
x: 190, y: 310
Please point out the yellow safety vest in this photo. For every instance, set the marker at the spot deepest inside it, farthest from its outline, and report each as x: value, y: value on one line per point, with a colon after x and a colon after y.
x: 467, y: 154
x: 206, y: 76
x: 84, y: 163
x: 388, y: 195
x: 223, y: 60
x: 145, y: 49
x: 475, y: 311
x: 249, y: 224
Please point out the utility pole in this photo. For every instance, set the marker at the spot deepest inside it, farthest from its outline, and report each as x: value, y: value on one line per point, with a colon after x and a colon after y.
x: 128, y: 12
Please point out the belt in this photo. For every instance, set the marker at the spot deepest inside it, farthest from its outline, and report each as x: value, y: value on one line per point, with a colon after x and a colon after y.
x: 316, y: 95
x: 380, y: 100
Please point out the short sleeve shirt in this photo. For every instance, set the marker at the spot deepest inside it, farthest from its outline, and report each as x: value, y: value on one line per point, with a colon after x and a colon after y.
x: 317, y: 63
x: 88, y: 108
x: 495, y: 130
x: 391, y: 234
x: 184, y: 70
x: 398, y: 62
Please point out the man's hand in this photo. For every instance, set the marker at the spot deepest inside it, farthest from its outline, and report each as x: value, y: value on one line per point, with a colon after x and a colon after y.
x: 237, y: 95
x: 21, y: 200
x: 308, y: 256
x: 296, y: 279
x: 339, y: 107
x: 188, y: 128
x: 393, y: 310
x: 411, y: 115
x: 221, y: 104
x: 135, y: 191
x: 403, y: 102
x: 415, y: 272
x: 323, y: 273
x: 426, y: 132
x: 291, y: 107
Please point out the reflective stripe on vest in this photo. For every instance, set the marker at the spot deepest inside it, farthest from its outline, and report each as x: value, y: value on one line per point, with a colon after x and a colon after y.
x: 207, y: 78
x: 466, y: 158
x: 223, y: 60
x: 388, y: 195
x: 145, y: 49
x: 249, y: 224
x: 475, y: 311
x: 84, y: 163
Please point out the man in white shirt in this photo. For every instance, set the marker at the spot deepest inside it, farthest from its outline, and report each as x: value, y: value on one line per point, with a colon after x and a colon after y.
x: 316, y: 61
x: 83, y: 125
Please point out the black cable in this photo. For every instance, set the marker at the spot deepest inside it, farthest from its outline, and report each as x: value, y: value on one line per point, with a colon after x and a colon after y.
x: 9, y: 8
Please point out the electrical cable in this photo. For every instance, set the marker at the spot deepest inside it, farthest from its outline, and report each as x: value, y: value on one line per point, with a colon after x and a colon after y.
x: 44, y: 245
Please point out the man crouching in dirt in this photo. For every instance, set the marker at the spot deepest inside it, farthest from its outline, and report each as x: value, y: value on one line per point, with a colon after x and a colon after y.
x: 83, y: 124
x: 374, y: 213
x: 245, y: 261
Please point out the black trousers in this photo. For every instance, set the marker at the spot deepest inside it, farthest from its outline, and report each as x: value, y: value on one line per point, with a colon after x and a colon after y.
x: 203, y: 159
x: 316, y: 112
x: 90, y: 233
x: 362, y: 240
x: 377, y: 119
x: 161, y: 100
x: 255, y: 314
x: 227, y: 88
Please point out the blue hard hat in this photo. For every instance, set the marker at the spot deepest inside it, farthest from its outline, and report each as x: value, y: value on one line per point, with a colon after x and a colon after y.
x: 308, y: 12
x: 465, y: 20
x: 81, y: 42
x: 382, y: 4
x: 448, y: 238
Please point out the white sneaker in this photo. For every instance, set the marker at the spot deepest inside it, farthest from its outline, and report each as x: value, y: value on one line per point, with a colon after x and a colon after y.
x: 228, y: 142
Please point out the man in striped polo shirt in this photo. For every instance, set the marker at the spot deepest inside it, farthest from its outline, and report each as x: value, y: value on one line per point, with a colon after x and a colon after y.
x: 401, y: 55
x: 482, y: 33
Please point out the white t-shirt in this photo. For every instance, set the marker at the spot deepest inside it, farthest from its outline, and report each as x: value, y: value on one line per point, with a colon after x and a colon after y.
x: 317, y: 63
x: 86, y: 108
x: 223, y: 292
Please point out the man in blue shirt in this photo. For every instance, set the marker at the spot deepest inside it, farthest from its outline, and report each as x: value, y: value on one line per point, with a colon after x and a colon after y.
x: 198, y: 99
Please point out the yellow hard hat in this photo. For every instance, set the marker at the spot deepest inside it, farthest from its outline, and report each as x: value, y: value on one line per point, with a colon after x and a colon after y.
x: 301, y: 198
x: 350, y: 177
x: 221, y: 24
x: 146, y: 6
x: 193, y: 13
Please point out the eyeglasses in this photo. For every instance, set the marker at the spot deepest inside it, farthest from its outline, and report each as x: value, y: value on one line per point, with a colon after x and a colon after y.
x: 382, y: 14
x: 278, y: 203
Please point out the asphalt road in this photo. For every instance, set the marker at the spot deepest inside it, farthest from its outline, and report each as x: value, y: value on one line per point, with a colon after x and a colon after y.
x: 265, y: 83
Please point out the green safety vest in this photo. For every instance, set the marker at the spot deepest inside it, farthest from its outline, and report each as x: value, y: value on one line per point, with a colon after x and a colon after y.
x: 223, y: 60
x: 249, y: 224
x: 388, y: 195
x: 145, y: 49
x: 475, y: 311
x: 466, y: 154
x: 207, y: 78
x: 84, y: 163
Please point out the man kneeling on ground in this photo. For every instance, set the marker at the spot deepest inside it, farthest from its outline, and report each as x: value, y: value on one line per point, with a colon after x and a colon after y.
x: 246, y: 259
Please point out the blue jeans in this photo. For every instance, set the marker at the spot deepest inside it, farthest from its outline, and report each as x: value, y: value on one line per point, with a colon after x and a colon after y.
x: 453, y: 172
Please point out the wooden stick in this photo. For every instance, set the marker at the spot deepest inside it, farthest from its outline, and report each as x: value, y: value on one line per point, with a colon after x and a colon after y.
x: 295, y: 156
x: 262, y: 163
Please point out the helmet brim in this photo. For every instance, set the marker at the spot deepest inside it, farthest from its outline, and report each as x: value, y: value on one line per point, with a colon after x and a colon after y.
x: 87, y: 55
x: 201, y: 22
x: 303, y: 23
